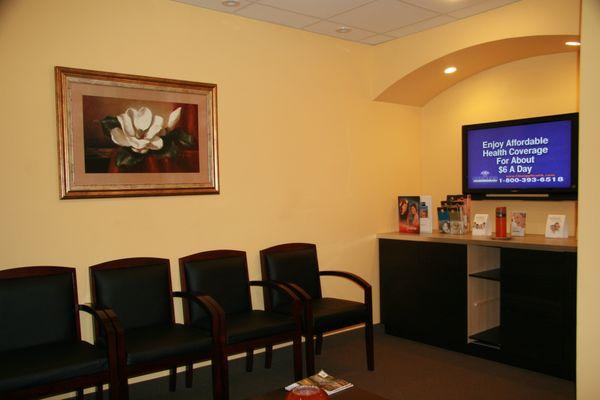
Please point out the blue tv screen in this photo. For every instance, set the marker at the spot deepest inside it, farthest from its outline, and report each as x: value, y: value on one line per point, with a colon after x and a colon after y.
x: 528, y: 156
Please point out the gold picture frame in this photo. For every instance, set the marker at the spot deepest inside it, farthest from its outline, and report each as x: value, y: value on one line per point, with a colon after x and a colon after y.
x: 127, y: 135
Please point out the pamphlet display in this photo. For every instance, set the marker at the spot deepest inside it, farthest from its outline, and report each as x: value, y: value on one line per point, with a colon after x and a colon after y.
x: 456, y: 223
x: 425, y: 215
x: 556, y: 226
x: 454, y: 214
x: 408, y: 214
x: 482, y: 225
x: 517, y: 223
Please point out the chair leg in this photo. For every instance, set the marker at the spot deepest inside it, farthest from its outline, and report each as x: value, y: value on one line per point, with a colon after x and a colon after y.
x: 172, y: 379
x: 319, y: 344
x: 369, y: 344
x: 297, y: 348
x: 249, y: 360
x: 309, y: 347
x: 99, y: 392
x: 220, y: 377
x: 79, y: 394
x: 189, y: 375
x: 268, y: 356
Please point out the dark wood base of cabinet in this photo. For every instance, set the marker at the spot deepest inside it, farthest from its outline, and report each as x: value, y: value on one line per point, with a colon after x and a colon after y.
x: 424, y: 298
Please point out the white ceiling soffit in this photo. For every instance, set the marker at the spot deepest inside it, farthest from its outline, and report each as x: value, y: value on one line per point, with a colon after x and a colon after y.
x: 364, y: 21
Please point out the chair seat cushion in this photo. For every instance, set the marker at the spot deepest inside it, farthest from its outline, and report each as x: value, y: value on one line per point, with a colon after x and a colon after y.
x: 330, y: 313
x: 160, y: 342
x: 255, y: 324
x: 43, y: 364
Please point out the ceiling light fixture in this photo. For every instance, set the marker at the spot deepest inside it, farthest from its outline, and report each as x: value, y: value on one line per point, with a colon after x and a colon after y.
x: 343, y: 29
x: 450, y: 70
x: 231, y: 3
x: 573, y: 43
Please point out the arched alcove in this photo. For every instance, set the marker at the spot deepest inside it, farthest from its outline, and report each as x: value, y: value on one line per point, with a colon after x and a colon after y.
x: 419, y: 86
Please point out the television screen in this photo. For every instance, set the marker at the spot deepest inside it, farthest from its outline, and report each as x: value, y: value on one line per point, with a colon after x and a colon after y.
x: 530, y: 156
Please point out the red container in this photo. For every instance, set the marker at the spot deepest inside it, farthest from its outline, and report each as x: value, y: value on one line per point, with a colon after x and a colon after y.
x: 501, y: 222
x: 307, y: 393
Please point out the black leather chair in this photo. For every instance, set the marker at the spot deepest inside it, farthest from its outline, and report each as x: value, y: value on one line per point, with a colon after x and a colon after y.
x: 296, y: 265
x: 223, y: 275
x: 138, y: 291
x: 41, y: 351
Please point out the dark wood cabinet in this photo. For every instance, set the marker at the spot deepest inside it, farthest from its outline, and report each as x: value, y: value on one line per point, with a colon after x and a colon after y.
x: 538, y: 310
x: 423, y: 291
x: 424, y: 286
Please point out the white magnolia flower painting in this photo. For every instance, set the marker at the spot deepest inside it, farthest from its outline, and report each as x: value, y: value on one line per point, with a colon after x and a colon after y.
x: 140, y: 136
x: 129, y: 135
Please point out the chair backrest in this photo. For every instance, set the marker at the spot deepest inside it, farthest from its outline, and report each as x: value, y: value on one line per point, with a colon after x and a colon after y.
x: 221, y: 274
x: 138, y: 290
x: 292, y: 262
x: 38, y: 305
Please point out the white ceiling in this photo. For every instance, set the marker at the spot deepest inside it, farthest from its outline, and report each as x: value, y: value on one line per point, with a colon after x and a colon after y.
x: 371, y: 21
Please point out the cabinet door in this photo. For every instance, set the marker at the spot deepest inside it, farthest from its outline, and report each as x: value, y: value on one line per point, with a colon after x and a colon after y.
x: 400, y: 286
x: 423, y: 291
x: 444, y: 305
x: 538, y: 310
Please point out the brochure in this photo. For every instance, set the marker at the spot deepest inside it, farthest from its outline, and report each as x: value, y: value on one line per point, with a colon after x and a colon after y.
x: 323, y: 380
x: 443, y: 219
x: 481, y: 225
x: 517, y: 223
x: 425, y: 215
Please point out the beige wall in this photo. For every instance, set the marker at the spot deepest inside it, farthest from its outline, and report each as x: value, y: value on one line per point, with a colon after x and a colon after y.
x: 588, y: 279
x: 527, y: 88
x: 305, y: 155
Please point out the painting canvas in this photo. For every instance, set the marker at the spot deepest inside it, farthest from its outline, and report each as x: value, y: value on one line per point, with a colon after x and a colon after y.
x: 126, y: 135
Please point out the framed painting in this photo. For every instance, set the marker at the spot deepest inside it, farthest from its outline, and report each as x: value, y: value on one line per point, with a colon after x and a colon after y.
x: 128, y: 135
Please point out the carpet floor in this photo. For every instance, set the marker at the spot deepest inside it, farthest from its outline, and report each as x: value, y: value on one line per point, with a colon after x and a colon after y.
x: 404, y: 370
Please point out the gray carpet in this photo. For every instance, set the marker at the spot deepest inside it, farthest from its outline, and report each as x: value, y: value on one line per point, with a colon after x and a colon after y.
x: 404, y: 370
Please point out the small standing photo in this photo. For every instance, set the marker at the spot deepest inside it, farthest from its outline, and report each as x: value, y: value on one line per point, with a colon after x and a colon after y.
x: 517, y: 223
x: 408, y: 214
x: 556, y: 226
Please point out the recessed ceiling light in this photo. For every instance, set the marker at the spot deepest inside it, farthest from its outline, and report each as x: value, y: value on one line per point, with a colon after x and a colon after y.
x: 573, y: 43
x: 231, y: 3
x: 343, y: 29
x: 450, y: 70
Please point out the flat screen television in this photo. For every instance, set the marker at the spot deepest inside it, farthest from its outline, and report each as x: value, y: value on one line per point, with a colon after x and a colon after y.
x: 533, y: 158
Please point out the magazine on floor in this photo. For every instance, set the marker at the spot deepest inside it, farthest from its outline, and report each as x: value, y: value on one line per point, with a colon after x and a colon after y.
x: 323, y: 380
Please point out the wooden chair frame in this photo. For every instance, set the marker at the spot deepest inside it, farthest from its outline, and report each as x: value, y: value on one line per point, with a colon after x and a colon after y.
x: 308, y: 330
x: 216, y: 355
x: 248, y: 346
x: 101, y: 321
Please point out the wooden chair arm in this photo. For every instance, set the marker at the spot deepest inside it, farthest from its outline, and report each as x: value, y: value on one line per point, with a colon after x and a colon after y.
x: 298, y: 291
x: 115, y: 343
x: 366, y: 286
x: 103, y: 320
x: 214, y: 310
x: 282, y: 288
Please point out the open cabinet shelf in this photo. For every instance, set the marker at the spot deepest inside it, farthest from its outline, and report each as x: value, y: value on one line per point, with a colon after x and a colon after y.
x: 492, y: 274
x: 490, y: 337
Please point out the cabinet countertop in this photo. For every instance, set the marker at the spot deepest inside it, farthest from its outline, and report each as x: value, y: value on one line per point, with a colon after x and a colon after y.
x: 531, y: 242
